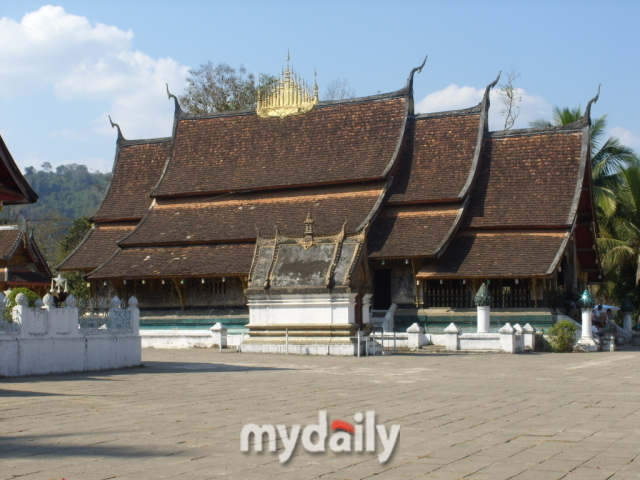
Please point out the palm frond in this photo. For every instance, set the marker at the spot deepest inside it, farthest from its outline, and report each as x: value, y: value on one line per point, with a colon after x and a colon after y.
x: 540, y: 123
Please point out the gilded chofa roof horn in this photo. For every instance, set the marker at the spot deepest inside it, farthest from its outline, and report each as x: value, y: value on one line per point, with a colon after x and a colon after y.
x: 289, y: 96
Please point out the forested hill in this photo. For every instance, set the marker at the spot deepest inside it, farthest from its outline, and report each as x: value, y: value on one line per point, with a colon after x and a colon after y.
x: 69, y: 191
x: 66, y: 193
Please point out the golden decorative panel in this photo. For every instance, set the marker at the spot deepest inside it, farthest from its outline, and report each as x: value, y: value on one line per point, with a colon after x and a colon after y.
x: 289, y: 96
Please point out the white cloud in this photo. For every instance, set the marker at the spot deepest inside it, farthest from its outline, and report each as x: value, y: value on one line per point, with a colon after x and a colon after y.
x: 627, y: 137
x: 453, y: 97
x: 50, y: 48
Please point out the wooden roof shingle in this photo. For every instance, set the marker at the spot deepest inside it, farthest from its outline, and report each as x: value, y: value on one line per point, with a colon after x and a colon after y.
x: 339, y: 142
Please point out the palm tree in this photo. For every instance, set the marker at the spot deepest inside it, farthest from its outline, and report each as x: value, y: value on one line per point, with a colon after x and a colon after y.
x: 619, y: 240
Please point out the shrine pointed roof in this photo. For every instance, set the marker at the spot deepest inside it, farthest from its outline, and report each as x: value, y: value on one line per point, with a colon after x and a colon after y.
x: 337, y: 142
x: 136, y: 169
x: 13, y: 242
x: 10, y: 237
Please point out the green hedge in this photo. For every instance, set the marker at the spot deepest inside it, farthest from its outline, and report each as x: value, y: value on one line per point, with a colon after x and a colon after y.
x: 11, y: 300
x: 562, y: 336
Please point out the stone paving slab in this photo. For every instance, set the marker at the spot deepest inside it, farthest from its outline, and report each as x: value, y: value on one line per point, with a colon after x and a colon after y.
x: 534, y: 416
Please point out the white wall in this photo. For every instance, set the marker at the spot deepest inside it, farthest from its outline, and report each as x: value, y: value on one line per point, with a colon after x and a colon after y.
x: 48, y: 340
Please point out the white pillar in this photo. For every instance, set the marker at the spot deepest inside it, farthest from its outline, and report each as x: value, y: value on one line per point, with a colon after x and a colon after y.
x: 415, y: 337
x: 586, y: 342
x: 366, y: 308
x: 451, y: 337
x: 586, y: 323
x: 484, y: 318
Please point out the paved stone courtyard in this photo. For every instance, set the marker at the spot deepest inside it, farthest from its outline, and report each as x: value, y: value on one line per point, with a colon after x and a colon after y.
x: 534, y: 416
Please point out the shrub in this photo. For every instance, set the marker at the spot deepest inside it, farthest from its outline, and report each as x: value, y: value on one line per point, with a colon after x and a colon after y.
x: 562, y: 336
x: 11, y: 300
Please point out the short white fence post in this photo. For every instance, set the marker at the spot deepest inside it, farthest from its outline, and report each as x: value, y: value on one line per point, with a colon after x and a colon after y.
x: 415, y: 337
x: 529, y: 337
x: 219, y: 334
x: 507, y: 338
x: 451, y: 337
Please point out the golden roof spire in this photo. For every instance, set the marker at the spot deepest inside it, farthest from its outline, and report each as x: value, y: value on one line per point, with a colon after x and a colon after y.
x: 289, y: 96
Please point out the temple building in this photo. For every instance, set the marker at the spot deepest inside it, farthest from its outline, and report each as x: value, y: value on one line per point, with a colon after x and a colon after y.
x: 432, y: 205
x: 21, y: 261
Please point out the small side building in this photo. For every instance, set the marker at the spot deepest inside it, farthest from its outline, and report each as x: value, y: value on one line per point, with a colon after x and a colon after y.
x: 20, y: 258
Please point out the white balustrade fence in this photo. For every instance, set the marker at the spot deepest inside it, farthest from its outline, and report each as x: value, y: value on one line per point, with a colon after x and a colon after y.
x: 48, y: 339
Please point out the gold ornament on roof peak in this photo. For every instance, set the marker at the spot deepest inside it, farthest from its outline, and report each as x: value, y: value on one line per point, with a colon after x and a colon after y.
x: 289, y: 96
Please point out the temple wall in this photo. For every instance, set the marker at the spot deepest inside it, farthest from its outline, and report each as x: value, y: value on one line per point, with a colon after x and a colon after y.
x: 402, y: 289
x: 176, y: 294
x: 215, y: 293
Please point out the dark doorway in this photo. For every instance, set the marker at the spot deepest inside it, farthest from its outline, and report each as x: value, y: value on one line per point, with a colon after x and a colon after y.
x: 382, y: 289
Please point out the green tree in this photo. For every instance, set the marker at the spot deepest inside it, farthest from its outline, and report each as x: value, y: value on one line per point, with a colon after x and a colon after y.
x: 76, y: 285
x: 74, y: 236
x: 221, y: 88
x: 619, y: 239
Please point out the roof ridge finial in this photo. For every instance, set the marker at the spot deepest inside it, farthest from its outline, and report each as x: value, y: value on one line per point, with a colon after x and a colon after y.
x: 177, y: 110
x: 120, y: 136
x: 495, y: 82
x: 315, y: 84
x: 308, y: 230
x: 288, y: 56
x: 587, y: 111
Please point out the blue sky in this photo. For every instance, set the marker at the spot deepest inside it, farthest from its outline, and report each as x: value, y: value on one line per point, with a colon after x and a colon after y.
x: 65, y: 66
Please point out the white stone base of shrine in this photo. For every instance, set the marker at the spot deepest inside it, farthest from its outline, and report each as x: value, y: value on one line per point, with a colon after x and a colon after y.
x: 302, y: 324
x: 349, y: 350
x: 299, y: 309
x: 586, y: 344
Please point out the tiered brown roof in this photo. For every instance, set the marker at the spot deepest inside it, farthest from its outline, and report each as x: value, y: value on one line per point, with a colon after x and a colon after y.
x: 187, y: 261
x: 136, y: 171
x: 340, y: 142
x: 434, y: 186
x: 236, y: 217
x: 97, y: 247
x: 10, y: 238
x: 498, y: 254
x: 528, y: 180
x: 413, y: 230
x: 431, y: 187
x: 440, y: 157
